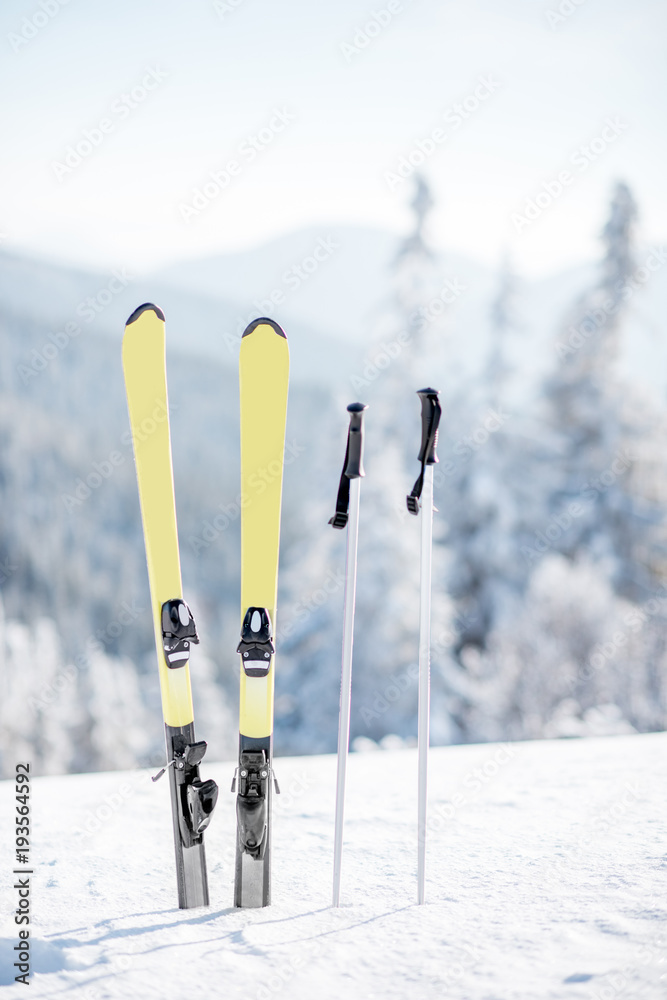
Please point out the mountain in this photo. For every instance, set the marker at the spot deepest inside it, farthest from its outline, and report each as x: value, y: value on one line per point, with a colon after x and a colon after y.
x: 71, y: 552
x: 332, y: 307
x: 56, y: 297
x: 76, y: 645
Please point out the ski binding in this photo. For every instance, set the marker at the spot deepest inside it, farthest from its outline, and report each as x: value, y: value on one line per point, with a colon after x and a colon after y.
x: 254, y: 774
x: 178, y: 631
x: 256, y: 645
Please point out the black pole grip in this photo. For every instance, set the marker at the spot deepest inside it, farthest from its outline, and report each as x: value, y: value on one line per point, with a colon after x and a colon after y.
x: 431, y: 412
x: 354, y: 468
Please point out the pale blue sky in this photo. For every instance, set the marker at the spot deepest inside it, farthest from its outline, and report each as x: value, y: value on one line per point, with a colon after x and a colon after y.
x: 226, y: 72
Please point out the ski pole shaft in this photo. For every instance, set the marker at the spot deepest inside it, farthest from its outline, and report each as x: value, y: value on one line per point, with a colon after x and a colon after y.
x: 347, y: 511
x: 424, y: 669
x: 346, y: 679
x: 423, y: 489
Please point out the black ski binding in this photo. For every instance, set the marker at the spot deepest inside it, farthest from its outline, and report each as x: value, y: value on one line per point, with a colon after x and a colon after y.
x: 178, y: 631
x: 254, y: 774
x: 202, y: 797
x: 256, y: 645
x: 197, y: 798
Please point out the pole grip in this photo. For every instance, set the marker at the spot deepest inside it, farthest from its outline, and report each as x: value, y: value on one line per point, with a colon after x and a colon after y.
x: 431, y: 412
x: 354, y: 468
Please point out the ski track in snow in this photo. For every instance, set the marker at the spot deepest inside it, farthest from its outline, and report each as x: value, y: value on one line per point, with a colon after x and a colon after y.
x: 546, y: 878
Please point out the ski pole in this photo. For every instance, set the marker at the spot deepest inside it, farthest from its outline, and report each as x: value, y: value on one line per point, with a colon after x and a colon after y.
x: 348, y: 499
x: 431, y: 412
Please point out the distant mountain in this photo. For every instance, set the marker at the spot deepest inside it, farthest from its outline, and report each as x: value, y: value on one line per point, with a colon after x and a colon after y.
x: 77, y: 562
x: 327, y: 278
x: 333, y: 281
x: 76, y: 639
x: 328, y: 286
x: 54, y: 296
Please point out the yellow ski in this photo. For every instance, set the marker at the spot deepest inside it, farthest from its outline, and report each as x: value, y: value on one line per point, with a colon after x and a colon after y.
x: 192, y: 799
x: 264, y: 377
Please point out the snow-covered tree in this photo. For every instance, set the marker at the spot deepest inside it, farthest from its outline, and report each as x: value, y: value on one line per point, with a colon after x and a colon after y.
x: 401, y: 358
x: 570, y: 538
x: 605, y: 430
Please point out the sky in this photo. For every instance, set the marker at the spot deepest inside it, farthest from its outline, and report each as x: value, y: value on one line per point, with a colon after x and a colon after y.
x: 113, y: 116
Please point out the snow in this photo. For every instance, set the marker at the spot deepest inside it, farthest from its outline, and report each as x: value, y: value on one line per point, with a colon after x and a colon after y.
x: 546, y: 879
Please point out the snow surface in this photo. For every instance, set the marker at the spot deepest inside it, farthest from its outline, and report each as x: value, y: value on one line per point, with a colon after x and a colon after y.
x: 546, y: 879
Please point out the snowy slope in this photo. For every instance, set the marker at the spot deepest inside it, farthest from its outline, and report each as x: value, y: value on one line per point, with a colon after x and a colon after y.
x: 546, y: 879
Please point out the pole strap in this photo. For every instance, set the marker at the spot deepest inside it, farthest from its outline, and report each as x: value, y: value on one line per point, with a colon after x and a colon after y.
x: 413, y: 500
x: 339, y: 520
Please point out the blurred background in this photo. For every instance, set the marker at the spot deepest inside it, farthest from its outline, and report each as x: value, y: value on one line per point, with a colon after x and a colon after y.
x: 465, y: 195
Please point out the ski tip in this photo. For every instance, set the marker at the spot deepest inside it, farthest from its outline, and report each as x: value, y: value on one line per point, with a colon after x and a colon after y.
x: 145, y: 308
x: 263, y: 321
